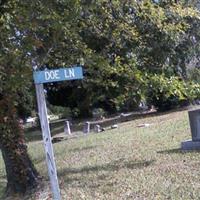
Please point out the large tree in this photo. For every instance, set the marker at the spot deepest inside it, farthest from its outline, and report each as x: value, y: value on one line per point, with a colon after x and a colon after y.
x: 126, y: 40
x: 29, y: 32
x: 21, y: 174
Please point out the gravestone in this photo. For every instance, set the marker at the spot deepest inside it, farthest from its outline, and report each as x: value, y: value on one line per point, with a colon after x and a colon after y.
x: 97, y: 128
x: 114, y: 126
x: 86, y: 127
x: 67, y: 129
x: 194, y: 144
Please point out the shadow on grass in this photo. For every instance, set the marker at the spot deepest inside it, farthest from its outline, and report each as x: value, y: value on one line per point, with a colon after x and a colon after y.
x: 113, y: 166
x: 84, y: 178
x: 176, y: 151
x: 39, y: 160
x: 82, y: 149
x: 37, y: 135
x: 42, y: 158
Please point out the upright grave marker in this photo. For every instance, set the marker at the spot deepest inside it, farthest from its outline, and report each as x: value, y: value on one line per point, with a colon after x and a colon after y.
x: 47, y: 76
x: 194, y: 119
x: 86, y: 127
x: 67, y: 129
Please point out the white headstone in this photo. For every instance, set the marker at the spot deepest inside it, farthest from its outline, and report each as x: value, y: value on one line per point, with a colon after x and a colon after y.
x: 97, y: 128
x: 86, y: 127
x: 67, y: 129
x: 114, y: 126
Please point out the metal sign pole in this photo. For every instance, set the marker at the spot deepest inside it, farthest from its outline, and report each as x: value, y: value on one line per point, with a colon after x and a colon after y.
x: 47, y: 141
x: 47, y: 76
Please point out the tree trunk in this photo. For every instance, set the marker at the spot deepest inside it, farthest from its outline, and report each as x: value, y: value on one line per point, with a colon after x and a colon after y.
x: 21, y: 174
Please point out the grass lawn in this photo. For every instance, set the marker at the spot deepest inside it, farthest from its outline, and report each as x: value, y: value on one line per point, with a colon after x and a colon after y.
x: 126, y: 163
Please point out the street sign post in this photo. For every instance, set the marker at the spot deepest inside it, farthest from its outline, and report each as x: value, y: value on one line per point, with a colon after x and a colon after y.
x: 47, y: 76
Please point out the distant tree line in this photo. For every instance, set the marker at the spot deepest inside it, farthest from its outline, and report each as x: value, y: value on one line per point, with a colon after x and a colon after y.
x: 132, y: 52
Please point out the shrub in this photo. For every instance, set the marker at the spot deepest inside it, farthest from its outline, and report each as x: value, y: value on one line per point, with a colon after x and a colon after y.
x: 194, y: 75
x: 193, y: 91
x: 63, y: 112
x: 98, y: 113
x: 166, y: 93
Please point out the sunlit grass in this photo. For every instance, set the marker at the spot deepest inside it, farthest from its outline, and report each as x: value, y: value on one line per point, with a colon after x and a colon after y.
x: 126, y: 163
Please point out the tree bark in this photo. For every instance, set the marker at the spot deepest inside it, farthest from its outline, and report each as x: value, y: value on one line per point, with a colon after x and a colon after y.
x: 20, y: 171
x: 21, y: 174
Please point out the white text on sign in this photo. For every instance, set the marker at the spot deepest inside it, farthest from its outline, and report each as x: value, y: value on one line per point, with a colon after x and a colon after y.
x: 61, y: 74
x: 51, y: 75
x: 69, y: 73
x: 54, y: 75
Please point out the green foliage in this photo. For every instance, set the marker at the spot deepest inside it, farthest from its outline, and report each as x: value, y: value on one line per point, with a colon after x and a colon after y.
x: 76, y: 113
x: 193, y: 91
x: 118, y: 42
x: 62, y: 112
x: 98, y: 113
x: 166, y: 93
x: 194, y: 75
x: 166, y: 33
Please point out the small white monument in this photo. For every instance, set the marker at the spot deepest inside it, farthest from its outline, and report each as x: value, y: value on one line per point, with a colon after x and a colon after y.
x: 194, y: 144
x: 86, y: 127
x: 97, y: 128
x: 114, y: 126
x: 67, y: 129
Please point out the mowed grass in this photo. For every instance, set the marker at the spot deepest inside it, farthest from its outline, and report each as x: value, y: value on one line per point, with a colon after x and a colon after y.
x: 126, y: 163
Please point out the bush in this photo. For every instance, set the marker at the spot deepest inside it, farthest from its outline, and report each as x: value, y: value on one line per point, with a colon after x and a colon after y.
x: 76, y: 113
x: 98, y: 113
x: 193, y: 91
x: 194, y: 75
x: 166, y: 93
x: 62, y: 112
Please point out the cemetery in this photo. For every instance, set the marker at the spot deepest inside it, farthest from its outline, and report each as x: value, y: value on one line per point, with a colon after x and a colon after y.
x: 99, y: 100
x: 129, y: 162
